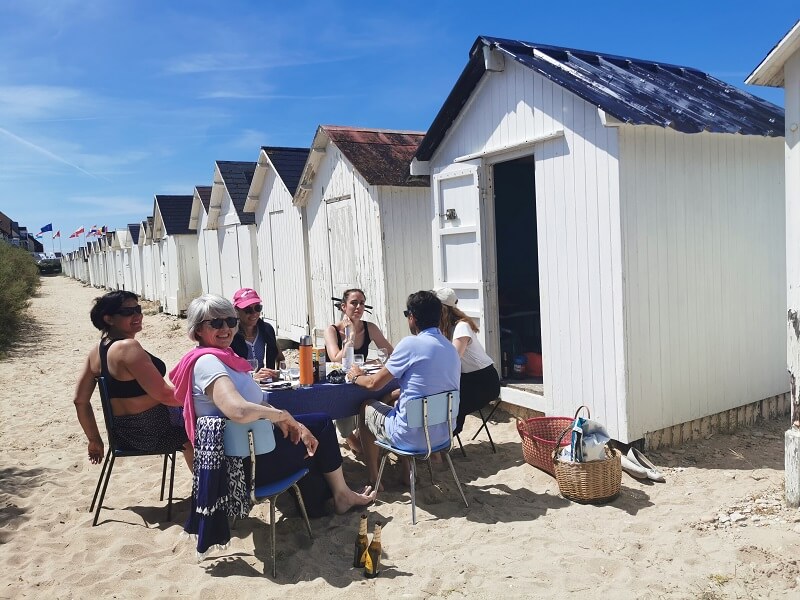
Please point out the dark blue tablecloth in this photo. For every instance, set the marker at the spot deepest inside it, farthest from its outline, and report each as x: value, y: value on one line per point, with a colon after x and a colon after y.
x: 337, y: 400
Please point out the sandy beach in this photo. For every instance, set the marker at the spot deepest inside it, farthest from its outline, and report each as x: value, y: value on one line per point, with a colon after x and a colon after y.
x: 716, y: 529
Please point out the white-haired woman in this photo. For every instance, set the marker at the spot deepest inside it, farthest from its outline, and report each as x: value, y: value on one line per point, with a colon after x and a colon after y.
x: 214, y: 381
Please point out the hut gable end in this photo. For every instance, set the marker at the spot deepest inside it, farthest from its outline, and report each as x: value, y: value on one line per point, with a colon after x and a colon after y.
x: 175, y: 213
x: 288, y: 163
x: 237, y: 177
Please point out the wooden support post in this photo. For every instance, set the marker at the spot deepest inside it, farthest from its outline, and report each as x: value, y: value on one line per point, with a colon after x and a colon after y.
x: 792, y: 466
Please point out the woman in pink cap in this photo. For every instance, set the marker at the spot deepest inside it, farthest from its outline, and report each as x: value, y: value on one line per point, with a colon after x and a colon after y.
x: 255, y: 338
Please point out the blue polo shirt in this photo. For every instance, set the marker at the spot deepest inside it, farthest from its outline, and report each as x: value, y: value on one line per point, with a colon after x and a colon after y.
x: 424, y: 364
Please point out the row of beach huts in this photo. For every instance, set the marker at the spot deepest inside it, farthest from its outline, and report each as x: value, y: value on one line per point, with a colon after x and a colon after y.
x: 623, y: 218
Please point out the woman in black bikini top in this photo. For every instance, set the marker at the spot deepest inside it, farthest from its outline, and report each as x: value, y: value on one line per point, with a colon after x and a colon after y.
x: 135, y: 383
x: 361, y: 332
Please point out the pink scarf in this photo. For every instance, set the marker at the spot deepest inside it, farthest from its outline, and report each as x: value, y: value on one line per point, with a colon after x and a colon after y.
x: 181, y: 377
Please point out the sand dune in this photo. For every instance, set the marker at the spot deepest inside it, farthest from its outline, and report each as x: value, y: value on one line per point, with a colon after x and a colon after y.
x: 518, y: 538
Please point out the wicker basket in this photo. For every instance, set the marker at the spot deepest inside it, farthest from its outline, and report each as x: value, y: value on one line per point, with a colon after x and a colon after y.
x: 539, y: 437
x: 593, y: 482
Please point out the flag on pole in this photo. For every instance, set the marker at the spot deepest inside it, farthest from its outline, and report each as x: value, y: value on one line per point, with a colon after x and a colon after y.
x: 48, y: 227
x: 38, y: 235
x: 93, y: 231
x: 57, y: 234
x: 77, y: 232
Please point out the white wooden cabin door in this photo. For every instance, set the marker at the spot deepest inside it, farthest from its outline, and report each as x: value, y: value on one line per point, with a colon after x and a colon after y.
x: 457, y: 249
x: 230, y: 267
x: 271, y: 269
x: 341, y: 247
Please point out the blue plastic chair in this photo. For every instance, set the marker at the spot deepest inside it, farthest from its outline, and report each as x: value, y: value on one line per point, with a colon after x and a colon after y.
x: 116, y: 451
x: 237, y: 443
x: 426, y: 412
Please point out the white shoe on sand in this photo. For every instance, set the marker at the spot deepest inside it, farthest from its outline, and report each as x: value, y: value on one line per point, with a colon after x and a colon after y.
x: 633, y: 469
x: 651, y: 471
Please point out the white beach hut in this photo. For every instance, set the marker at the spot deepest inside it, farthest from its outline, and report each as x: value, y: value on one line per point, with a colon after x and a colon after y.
x: 231, y: 237
x: 137, y: 285
x: 283, y: 285
x: 121, y: 246
x: 176, y: 247
x: 624, y: 219
x: 368, y: 222
x: 149, y: 280
x: 208, y: 259
x: 781, y: 68
x: 97, y: 264
x: 107, y: 249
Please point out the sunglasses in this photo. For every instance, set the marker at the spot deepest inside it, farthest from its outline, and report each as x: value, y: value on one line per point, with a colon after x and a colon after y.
x: 407, y: 313
x: 255, y: 308
x: 219, y: 322
x: 129, y: 311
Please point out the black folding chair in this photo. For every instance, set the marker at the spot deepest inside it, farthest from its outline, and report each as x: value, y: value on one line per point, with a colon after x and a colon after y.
x: 114, y: 451
x: 484, y: 425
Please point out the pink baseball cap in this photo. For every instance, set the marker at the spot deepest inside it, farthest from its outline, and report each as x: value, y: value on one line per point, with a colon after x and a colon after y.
x: 246, y: 297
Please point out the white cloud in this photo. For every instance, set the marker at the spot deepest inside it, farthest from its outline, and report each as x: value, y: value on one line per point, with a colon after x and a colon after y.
x: 41, y: 101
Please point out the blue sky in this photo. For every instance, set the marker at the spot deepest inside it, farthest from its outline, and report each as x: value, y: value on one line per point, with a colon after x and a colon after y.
x: 105, y: 103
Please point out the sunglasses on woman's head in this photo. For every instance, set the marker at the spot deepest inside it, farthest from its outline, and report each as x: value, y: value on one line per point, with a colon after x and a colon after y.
x: 129, y: 311
x: 255, y: 308
x: 219, y: 322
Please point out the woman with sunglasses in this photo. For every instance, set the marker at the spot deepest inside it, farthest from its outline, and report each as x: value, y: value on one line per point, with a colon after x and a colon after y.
x: 212, y: 380
x: 135, y: 381
x: 255, y: 339
x: 352, y: 330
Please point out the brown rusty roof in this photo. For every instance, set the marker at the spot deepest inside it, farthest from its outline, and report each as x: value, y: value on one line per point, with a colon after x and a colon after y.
x: 381, y: 156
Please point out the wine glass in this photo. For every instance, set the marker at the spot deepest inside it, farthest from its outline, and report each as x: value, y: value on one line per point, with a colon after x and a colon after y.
x: 383, y: 355
x: 284, y: 371
x: 253, y: 364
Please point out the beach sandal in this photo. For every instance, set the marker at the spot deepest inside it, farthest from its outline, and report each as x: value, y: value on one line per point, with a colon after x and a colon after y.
x: 651, y: 470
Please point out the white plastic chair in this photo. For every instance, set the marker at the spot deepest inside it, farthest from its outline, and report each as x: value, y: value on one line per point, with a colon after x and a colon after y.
x: 425, y: 412
x: 237, y: 443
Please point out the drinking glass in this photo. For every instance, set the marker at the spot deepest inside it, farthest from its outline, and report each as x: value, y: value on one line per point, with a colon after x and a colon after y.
x: 358, y: 359
x: 253, y: 364
x: 284, y: 371
x: 294, y: 372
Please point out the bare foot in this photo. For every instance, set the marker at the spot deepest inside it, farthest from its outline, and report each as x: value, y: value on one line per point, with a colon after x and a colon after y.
x: 405, y: 470
x: 347, y: 500
x: 354, y: 443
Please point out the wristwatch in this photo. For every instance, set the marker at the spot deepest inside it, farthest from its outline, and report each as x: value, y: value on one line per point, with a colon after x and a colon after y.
x: 356, y: 377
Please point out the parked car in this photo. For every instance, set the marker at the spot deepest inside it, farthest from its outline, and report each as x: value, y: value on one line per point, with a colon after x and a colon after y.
x: 47, y: 263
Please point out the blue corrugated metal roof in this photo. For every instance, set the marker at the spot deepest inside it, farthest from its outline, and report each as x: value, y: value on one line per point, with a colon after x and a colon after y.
x: 289, y: 163
x: 638, y: 92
